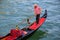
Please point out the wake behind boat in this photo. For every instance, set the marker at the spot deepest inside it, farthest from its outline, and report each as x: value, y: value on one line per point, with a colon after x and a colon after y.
x: 28, y: 30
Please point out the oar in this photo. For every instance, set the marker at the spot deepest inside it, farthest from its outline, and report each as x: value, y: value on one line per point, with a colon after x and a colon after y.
x: 26, y: 20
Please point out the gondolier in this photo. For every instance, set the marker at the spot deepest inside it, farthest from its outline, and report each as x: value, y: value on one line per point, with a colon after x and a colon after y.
x: 37, y: 12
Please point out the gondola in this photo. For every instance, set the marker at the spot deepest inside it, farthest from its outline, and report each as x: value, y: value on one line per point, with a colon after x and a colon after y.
x: 30, y: 29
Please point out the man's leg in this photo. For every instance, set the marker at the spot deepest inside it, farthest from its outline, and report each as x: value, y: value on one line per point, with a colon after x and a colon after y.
x: 37, y: 18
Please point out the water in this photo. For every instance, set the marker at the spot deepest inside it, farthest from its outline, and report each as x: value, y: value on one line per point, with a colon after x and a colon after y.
x: 12, y: 12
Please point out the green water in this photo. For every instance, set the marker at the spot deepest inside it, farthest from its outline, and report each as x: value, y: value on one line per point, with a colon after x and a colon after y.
x: 37, y: 35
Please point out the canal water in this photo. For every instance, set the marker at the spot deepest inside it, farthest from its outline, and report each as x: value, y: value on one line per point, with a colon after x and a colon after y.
x: 14, y: 12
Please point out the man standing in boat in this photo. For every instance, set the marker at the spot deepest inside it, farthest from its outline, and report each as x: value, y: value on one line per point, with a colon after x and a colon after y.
x: 37, y: 12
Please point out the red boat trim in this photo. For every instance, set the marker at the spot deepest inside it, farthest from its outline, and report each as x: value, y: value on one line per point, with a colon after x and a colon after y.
x: 35, y: 26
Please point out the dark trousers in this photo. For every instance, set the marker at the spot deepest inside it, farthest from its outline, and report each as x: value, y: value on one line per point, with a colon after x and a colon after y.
x: 37, y: 18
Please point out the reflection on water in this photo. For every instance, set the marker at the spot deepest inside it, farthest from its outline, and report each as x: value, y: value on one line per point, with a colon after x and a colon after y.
x: 38, y: 35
